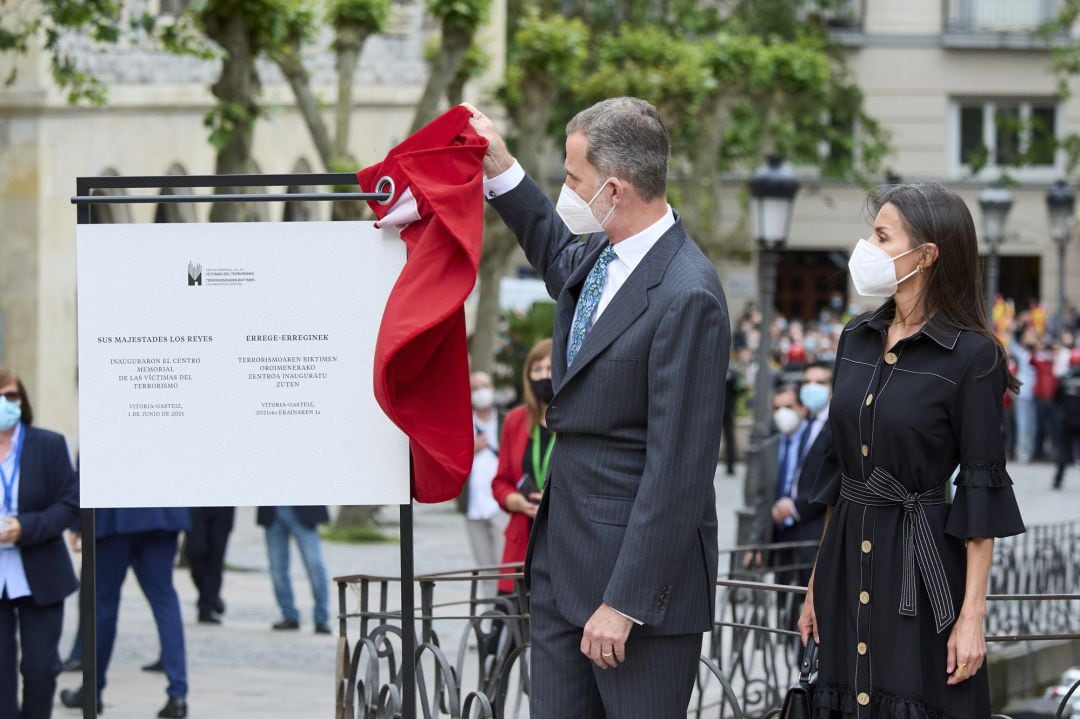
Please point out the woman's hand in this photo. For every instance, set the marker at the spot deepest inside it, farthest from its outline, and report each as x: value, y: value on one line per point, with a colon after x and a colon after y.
x: 807, y: 624
x: 967, y: 643
x: 516, y: 502
x: 967, y: 647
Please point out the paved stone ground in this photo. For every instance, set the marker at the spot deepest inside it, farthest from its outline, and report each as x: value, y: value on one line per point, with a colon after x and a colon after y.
x: 243, y: 669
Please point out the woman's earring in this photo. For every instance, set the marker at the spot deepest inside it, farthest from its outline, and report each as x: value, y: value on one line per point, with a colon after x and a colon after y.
x: 918, y: 269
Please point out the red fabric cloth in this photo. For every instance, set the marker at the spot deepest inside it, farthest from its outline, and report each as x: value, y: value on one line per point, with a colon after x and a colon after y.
x: 515, y: 439
x: 421, y: 357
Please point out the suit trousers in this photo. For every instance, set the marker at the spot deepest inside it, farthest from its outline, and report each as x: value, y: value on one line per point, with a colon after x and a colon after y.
x: 206, y: 544
x: 655, y: 681
x: 39, y: 641
x: 151, y: 555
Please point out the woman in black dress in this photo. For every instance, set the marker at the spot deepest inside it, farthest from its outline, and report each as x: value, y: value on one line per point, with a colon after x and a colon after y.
x: 898, y: 595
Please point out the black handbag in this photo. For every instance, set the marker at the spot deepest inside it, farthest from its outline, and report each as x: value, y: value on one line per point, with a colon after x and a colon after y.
x: 799, y: 702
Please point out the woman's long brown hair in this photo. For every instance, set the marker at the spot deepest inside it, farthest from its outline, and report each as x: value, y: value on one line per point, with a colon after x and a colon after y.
x: 954, y: 287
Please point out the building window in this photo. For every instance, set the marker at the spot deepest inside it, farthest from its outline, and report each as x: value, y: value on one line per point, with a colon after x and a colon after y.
x: 1006, y: 133
x: 998, y: 15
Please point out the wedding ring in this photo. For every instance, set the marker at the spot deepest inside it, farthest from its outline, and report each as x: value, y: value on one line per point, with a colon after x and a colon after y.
x: 962, y: 669
x: 609, y: 654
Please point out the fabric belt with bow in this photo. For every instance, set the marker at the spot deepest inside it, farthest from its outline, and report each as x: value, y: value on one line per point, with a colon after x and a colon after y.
x: 882, y: 490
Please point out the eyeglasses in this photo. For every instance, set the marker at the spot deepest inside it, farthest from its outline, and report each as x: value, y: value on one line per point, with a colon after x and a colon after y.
x: 12, y: 397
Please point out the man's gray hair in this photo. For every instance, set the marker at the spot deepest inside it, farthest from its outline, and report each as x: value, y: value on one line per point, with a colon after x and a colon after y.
x: 626, y: 139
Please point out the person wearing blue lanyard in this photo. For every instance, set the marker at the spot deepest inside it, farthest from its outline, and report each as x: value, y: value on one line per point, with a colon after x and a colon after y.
x: 40, y: 500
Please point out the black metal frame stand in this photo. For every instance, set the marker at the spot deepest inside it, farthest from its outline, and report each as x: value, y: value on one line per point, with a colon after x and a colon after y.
x: 83, y: 199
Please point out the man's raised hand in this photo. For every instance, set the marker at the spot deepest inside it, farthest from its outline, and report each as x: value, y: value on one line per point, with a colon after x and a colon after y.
x: 497, y: 159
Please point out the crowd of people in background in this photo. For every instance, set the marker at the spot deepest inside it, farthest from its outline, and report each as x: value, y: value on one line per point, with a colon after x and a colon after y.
x: 1042, y: 421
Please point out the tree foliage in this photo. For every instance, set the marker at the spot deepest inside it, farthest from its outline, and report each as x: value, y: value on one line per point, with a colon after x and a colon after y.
x: 369, y: 16
x: 734, y: 81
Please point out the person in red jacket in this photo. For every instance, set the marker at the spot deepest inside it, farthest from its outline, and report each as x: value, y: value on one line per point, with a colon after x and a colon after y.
x: 525, y: 451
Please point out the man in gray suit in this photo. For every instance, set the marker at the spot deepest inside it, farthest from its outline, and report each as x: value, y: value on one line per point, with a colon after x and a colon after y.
x: 622, y: 558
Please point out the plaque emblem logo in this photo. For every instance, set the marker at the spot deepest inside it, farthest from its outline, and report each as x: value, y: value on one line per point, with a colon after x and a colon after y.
x: 194, y: 273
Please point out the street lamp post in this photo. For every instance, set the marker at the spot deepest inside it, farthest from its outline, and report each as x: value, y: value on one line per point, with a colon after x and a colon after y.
x: 772, y: 190
x: 995, y: 203
x: 1061, y: 205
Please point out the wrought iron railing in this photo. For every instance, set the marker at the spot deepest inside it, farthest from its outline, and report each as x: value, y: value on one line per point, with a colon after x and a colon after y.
x: 472, y: 651
x: 1045, y: 560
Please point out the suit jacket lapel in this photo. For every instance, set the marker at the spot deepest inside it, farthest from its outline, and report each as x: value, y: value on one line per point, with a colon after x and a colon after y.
x: 628, y: 303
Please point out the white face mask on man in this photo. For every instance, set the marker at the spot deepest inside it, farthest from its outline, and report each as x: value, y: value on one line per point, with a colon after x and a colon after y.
x: 483, y: 397
x: 873, y: 270
x: 786, y: 420
x: 577, y: 214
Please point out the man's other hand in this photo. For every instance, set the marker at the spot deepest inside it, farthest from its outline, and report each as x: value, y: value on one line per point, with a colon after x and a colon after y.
x: 604, y: 638
x: 782, y: 510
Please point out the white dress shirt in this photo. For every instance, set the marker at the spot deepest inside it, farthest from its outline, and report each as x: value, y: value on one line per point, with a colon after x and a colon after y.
x: 629, y: 252
x: 13, y: 582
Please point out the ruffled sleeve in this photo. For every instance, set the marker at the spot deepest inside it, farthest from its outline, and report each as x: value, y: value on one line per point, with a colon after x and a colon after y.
x: 984, y: 504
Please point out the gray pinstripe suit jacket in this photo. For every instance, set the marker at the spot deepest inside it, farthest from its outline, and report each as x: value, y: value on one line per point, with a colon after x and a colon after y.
x: 629, y: 515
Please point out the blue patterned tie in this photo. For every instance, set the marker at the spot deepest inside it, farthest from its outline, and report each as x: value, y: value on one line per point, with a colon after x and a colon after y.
x: 586, y: 306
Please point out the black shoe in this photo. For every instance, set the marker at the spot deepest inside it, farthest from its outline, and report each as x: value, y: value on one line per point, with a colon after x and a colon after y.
x: 73, y: 664
x: 174, y: 709
x: 287, y: 624
x: 219, y: 606
x: 209, y: 618
x: 323, y: 628
x: 73, y: 699
x: 154, y: 666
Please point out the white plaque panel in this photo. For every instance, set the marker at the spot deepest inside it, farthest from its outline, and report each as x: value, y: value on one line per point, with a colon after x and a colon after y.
x: 231, y: 364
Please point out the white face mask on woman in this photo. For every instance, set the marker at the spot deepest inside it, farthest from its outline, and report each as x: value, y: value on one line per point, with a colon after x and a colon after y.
x: 578, y: 214
x: 873, y: 271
